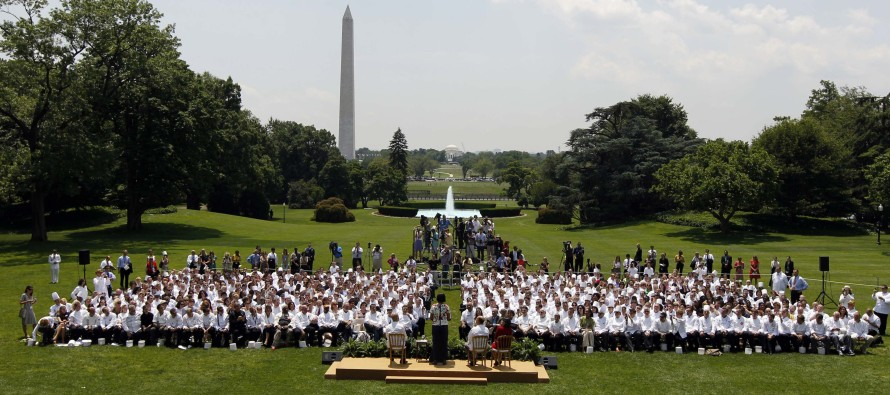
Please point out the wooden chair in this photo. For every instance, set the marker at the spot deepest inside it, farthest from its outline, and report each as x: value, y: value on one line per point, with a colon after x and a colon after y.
x: 479, y: 347
x: 504, y: 349
x: 397, y: 343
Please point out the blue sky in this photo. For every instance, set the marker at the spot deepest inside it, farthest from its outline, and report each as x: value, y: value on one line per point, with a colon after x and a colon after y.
x: 521, y: 74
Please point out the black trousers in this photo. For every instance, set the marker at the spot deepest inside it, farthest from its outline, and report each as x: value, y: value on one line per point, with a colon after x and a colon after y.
x: 883, y: 330
x: 440, y: 344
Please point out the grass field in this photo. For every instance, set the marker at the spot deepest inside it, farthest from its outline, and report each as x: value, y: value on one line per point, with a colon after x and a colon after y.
x: 854, y: 258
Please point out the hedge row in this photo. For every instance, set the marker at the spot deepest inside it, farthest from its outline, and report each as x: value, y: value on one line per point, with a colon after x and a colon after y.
x: 458, y: 205
x: 391, y: 211
x: 501, y: 212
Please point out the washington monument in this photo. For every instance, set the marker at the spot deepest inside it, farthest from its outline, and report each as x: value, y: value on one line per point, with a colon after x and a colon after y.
x: 346, y: 140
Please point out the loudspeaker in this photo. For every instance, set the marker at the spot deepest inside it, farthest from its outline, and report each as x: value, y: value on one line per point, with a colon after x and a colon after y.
x: 84, y: 257
x: 549, y: 362
x: 329, y: 357
x: 823, y: 263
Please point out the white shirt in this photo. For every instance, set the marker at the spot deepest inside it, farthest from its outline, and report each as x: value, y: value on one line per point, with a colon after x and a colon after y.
x: 221, y: 321
x: 882, y: 302
x: 780, y: 281
x: 858, y: 329
x: 55, y: 259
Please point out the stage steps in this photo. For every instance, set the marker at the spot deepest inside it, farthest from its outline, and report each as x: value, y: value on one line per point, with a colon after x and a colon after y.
x: 435, y: 380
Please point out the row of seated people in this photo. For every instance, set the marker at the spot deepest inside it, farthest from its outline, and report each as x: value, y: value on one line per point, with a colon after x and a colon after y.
x: 610, y: 329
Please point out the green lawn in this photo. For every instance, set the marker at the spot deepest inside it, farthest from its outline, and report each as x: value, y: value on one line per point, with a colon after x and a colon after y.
x: 854, y: 258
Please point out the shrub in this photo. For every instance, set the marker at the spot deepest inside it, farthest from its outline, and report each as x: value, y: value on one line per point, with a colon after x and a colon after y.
x: 548, y: 215
x: 501, y: 212
x: 457, y: 349
x: 332, y: 210
x: 391, y: 211
x: 526, y: 350
x: 162, y: 210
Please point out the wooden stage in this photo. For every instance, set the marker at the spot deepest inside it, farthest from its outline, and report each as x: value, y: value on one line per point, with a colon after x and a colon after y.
x: 454, y: 372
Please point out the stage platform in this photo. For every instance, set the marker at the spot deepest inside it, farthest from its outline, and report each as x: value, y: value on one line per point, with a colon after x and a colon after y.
x: 454, y: 372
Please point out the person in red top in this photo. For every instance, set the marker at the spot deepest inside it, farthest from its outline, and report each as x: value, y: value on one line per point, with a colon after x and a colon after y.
x: 754, y: 270
x: 739, y: 266
x: 151, y: 265
x: 503, y: 329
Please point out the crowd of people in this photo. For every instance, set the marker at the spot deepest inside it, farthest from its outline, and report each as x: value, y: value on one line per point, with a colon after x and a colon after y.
x: 284, y: 300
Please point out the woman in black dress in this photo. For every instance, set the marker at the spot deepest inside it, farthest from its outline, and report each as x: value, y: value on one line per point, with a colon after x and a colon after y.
x: 440, y: 314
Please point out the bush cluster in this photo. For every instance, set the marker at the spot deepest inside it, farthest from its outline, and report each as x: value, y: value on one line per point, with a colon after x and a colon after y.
x: 332, y: 210
x: 548, y: 215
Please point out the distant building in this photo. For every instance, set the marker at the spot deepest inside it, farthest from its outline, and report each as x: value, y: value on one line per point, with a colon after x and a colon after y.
x: 452, y: 153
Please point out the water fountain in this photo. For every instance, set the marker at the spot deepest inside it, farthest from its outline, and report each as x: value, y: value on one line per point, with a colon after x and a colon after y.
x: 449, y: 210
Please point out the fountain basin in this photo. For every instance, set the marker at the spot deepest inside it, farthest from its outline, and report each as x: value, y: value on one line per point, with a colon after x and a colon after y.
x: 448, y: 211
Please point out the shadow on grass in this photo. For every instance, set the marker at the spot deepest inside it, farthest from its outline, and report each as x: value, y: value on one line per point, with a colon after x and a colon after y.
x: 105, y: 241
x: 150, y: 232
x: 703, y: 236
x: 68, y: 220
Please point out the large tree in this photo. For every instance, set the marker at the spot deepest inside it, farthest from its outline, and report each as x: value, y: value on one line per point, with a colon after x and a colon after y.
x: 721, y: 178
x: 139, y: 91
x: 814, y: 168
x: 301, y: 151
x: 878, y: 176
x: 398, y: 152
x: 40, y: 101
x: 385, y: 183
x: 614, y: 160
x: 519, y: 179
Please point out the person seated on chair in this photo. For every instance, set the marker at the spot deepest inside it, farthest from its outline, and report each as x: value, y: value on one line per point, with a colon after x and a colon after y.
x: 837, y: 333
x: 874, y: 324
x: 394, y: 327
x: 572, y: 327
x: 662, y: 331
x: 504, y: 328
x: 858, y: 330
x: 304, y: 326
x: 407, y: 321
x: 254, y: 325
x: 819, y: 333
x: 522, y: 322
x: 800, y: 333
x: 477, y: 330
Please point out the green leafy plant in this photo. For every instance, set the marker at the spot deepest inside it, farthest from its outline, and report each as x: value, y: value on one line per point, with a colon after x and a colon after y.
x: 526, y: 350
x: 457, y: 349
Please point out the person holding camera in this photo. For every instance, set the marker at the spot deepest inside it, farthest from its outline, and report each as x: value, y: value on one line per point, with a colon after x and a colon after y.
x: 357, y: 252
x: 377, y: 259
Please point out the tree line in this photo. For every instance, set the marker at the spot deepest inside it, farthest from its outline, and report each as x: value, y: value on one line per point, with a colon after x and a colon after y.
x: 640, y: 156
x: 97, y: 107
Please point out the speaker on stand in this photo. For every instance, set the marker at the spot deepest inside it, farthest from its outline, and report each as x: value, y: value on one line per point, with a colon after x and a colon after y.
x: 823, y: 296
x: 84, y: 260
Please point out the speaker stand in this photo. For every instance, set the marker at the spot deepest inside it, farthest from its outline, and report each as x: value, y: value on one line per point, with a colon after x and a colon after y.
x: 823, y: 296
